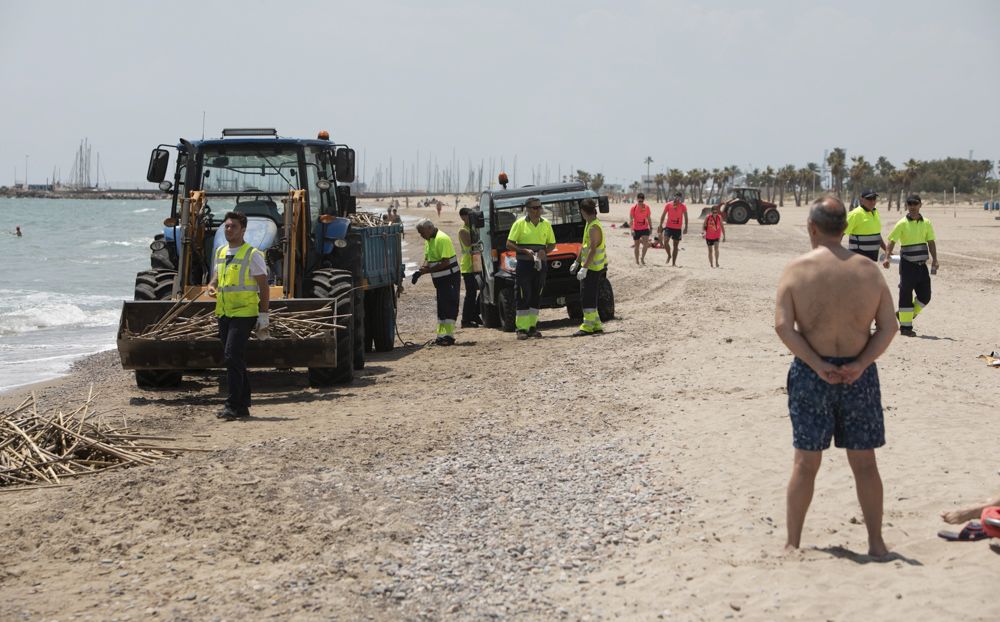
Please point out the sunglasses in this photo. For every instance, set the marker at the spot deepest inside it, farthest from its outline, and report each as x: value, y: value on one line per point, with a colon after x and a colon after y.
x: 913, y: 202
x: 534, y: 207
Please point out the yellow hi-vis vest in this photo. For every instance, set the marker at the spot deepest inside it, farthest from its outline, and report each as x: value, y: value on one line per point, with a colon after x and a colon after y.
x: 864, y: 230
x: 238, y: 295
x: 465, y: 263
x: 600, y: 259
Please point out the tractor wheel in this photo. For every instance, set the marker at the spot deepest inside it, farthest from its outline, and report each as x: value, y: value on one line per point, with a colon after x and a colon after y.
x: 508, y: 314
x: 383, y: 320
x: 771, y: 217
x: 605, y: 301
x: 330, y: 283
x: 156, y: 285
x: 574, y: 309
x: 158, y: 378
x: 738, y: 213
x: 359, y: 329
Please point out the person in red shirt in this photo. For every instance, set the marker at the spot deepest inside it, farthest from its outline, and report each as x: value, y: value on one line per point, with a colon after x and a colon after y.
x: 676, y: 215
x: 640, y: 219
x: 712, y: 230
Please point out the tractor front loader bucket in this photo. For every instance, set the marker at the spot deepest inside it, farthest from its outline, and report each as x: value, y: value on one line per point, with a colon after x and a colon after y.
x: 203, y: 350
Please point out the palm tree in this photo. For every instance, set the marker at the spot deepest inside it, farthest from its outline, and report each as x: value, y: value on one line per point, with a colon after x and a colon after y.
x: 785, y: 177
x: 675, y: 179
x: 885, y: 170
x: 813, y: 169
x: 716, y: 175
x: 837, y: 161
x: 860, y: 170
x: 661, y: 192
x: 648, y: 161
x: 911, y: 170
x: 596, y: 182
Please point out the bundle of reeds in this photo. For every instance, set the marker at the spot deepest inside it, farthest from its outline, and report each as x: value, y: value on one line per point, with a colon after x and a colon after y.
x: 202, y: 325
x: 39, y: 448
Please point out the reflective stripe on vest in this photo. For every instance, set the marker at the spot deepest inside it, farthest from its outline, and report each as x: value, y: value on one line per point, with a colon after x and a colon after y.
x: 451, y: 269
x: 599, y: 256
x: 238, y: 294
x: 871, y: 242
x: 466, y: 263
x: 916, y: 253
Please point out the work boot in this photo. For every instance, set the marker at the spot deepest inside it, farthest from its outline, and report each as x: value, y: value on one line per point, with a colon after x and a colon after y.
x: 228, y: 414
x: 537, y: 334
x: 582, y: 333
x: 522, y: 335
x: 907, y: 332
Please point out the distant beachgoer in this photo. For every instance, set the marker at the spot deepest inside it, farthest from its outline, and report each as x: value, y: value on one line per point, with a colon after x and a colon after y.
x: 676, y: 216
x: 833, y: 386
x: 17, y: 230
x: 916, y: 245
x: 640, y: 219
x: 437, y: 206
x: 712, y: 230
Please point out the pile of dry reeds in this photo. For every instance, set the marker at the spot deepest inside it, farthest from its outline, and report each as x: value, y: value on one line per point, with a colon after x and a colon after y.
x: 47, y: 448
x: 201, y: 326
x: 366, y: 219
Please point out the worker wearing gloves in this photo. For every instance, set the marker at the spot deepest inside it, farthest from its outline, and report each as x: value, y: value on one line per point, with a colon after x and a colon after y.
x: 239, y: 284
x: 916, y: 245
x: 440, y: 262
x: 864, y: 227
x: 591, y: 267
x: 531, y: 238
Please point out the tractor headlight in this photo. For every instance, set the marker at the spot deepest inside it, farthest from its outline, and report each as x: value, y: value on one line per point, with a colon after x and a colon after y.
x: 340, y: 243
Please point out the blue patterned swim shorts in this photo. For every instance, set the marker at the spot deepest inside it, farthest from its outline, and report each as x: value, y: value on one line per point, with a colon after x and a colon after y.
x: 851, y: 414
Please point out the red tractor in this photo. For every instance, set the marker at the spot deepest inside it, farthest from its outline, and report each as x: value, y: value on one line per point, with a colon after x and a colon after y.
x: 745, y: 203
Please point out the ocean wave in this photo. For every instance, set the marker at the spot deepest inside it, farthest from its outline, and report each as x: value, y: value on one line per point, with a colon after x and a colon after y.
x: 143, y: 210
x: 53, y: 315
x: 127, y: 243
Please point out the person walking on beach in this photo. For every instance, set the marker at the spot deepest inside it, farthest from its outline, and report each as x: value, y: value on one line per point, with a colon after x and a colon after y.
x: 470, y: 276
x: 440, y: 262
x: 591, y: 267
x: 712, y: 230
x: 531, y: 238
x: 676, y: 216
x: 242, y: 297
x: 833, y: 385
x: 864, y: 227
x: 916, y: 245
x: 640, y: 219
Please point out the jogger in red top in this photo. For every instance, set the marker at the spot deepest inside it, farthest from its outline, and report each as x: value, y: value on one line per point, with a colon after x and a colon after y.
x: 640, y: 219
x: 676, y: 215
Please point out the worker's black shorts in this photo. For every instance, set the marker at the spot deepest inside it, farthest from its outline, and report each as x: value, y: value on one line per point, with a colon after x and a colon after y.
x: 640, y: 233
x: 673, y: 234
x: 711, y: 242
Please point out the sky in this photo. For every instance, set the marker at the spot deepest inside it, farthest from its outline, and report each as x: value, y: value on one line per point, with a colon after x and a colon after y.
x: 579, y: 84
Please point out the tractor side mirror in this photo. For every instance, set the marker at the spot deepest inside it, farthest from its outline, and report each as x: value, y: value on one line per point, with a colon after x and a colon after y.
x: 158, y: 161
x: 344, y: 163
x: 476, y: 219
x: 348, y: 203
x: 602, y: 205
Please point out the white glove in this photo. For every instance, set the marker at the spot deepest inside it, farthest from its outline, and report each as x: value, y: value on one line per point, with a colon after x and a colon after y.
x: 574, y: 267
x: 581, y: 274
x: 262, y: 320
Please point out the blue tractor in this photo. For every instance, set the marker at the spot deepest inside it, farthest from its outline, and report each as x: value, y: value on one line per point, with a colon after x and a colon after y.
x: 297, y: 199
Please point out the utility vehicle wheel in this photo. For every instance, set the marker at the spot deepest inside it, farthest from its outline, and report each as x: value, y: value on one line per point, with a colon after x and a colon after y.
x: 605, y: 301
x: 330, y: 283
x: 771, y: 217
x: 156, y: 285
x: 508, y: 314
x: 574, y: 309
x: 383, y: 321
x: 489, y: 313
x: 359, y: 329
x: 738, y: 213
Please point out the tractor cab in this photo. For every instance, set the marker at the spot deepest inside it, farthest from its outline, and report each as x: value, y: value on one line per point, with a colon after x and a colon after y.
x: 750, y: 195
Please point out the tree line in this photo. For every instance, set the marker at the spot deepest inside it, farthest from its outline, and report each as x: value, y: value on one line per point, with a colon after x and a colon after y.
x: 848, y: 176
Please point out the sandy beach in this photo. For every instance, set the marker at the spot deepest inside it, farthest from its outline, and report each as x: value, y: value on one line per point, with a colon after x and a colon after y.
x: 636, y: 475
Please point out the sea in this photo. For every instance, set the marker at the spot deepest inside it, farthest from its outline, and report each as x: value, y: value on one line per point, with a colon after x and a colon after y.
x: 62, y: 283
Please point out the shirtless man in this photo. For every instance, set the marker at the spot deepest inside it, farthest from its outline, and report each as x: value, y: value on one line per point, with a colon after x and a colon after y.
x: 827, y: 300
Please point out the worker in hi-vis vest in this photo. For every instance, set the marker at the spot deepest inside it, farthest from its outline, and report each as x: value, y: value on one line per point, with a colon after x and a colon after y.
x: 440, y: 262
x: 470, y: 265
x: 591, y: 267
x: 916, y: 245
x: 864, y: 227
x: 532, y: 238
x: 239, y: 284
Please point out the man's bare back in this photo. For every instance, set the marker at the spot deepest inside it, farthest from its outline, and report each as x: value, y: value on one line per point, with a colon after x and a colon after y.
x: 835, y: 297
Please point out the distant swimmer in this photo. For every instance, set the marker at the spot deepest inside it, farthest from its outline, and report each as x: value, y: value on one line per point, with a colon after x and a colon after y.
x: 833, y: 385
x: 17, y: 230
